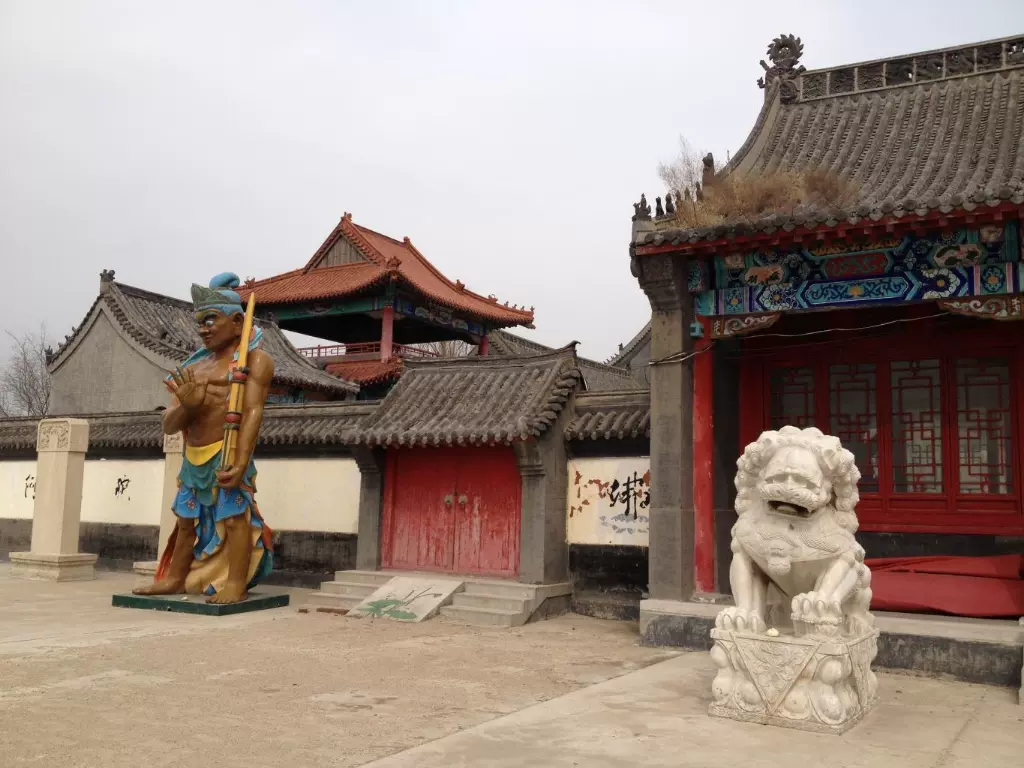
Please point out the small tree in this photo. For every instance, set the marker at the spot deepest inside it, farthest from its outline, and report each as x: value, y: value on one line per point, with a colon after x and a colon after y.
x: 449, y: 348
x: 705, y: 197
x: 687, y: 170
x: 24, y: 380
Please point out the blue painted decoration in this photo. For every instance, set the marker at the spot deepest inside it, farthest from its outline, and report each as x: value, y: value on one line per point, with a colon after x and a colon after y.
x: 983, y: 262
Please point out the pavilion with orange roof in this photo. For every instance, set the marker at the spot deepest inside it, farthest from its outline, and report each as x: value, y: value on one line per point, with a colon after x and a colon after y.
x: 376, y: 297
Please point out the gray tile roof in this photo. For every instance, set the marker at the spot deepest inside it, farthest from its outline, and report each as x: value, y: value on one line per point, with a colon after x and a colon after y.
x: 18, y: 435
x: 309, y: 424
x: 474, y: 400
x: 611, y: 416
x: 625, y: 354
x: 314, y: 423
x: 166, y: 326
x: 135, y: 430
x: 915, y: 134
x: 596, y: 376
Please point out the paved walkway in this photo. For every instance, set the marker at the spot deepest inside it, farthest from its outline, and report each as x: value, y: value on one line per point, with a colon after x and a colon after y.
x: 85, y: 685
x: 658, y: 717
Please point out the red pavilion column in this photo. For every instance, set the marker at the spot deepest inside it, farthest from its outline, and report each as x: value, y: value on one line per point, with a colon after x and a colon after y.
x: 482, y: 349
x: 387, y: 332
x: 703, y: 462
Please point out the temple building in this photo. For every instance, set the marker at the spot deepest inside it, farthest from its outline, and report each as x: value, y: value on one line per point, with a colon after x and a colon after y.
x: 378, y: 300
x: 888, y: 315
x: 115, y: 359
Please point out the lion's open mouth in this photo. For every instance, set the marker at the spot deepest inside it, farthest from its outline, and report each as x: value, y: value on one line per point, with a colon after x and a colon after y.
x: 785, y: 508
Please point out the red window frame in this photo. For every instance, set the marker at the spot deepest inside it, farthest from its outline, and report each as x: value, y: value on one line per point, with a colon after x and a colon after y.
x: 886, y: 510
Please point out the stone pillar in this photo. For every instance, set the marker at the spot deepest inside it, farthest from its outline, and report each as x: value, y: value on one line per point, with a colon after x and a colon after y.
x: 174, y: 452
x: 663, y: 278
x: 61, y: 445
x: 371, y: 506
x: 543, y: 467
x: 174, y: 446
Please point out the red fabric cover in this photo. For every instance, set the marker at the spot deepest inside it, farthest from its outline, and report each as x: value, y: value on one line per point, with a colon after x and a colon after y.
x: 978, y: 587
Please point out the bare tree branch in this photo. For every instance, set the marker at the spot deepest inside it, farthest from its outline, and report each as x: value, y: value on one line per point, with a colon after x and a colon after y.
x: 449, y: 348
x: 24, y: 380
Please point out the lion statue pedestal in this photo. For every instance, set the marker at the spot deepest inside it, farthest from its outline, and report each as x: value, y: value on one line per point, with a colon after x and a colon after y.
x: 796, y: 649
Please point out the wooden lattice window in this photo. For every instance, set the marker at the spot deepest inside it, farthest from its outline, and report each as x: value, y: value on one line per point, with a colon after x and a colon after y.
x: 916, y: 391
x: 934, y: 425
x: 984, y: 425
x: 792, y: 397
x: 853, y: 416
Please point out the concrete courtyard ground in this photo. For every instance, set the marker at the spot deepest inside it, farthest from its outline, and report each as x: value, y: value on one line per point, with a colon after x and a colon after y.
x: 86, y: 685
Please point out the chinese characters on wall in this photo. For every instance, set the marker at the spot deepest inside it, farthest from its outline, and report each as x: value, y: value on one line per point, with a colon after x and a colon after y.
x: 609, y: 500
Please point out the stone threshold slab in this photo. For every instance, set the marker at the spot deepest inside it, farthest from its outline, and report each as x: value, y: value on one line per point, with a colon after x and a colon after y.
x: 196, y: 604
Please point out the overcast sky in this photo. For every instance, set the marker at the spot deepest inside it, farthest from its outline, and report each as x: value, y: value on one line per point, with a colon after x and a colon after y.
x: 171, y: 141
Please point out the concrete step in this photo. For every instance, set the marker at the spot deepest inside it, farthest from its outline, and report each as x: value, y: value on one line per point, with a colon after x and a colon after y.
x: 332, y: 600
x: 500, y: 589
x: 493, y: 602
x: 352, y: 588
x: 482, y: 617
x: 377, y: 578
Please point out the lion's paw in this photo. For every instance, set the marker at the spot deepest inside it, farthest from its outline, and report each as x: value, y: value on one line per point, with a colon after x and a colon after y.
x: 740, y: 620
x: 816, y: 608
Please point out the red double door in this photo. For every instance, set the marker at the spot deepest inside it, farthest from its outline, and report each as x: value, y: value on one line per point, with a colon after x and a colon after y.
x: 452, y: 509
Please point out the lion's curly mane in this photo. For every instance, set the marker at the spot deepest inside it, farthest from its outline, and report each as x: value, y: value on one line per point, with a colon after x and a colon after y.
x: 837, y: 463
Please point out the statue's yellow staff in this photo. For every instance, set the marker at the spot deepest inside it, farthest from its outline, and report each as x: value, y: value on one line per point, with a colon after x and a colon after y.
x: 236, y: 395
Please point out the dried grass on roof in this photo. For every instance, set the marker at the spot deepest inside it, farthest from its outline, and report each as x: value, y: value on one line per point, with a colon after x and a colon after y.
x: 727, y: 197
x: 732, y: 198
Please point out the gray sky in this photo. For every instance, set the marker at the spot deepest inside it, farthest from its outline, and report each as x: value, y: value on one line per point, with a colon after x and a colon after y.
x: 171, y: 141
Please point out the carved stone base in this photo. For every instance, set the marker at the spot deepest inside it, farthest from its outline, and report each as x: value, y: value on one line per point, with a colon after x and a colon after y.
x: 44, y: 567
x: 813, y: 684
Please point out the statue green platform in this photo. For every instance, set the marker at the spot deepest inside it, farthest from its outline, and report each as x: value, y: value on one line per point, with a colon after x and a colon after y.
x: 255, y: 601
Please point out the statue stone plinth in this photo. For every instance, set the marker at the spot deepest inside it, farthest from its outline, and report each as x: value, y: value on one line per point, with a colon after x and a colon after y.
x: 821, y: 684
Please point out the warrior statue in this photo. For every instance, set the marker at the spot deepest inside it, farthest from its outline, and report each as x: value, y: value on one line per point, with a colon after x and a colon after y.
x: 220, y: 546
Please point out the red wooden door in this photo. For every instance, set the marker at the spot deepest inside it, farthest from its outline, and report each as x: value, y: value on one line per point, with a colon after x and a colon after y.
x: 452, y: 509
x: 487, y: 518
x: 419, y: 519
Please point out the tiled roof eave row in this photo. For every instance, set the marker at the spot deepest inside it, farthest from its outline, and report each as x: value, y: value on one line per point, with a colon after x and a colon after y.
x: 481, y: 309
x: 309, y: 424
x: 620, y: 415
x: 610, y: 425
x: 374, y: 279
x: 474, y: 401
x: 819, y: 221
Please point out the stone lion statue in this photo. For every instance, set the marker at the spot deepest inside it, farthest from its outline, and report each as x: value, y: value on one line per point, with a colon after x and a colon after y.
x: 793, y: 545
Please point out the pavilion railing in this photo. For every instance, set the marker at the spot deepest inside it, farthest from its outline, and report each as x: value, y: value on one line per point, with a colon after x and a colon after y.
x: 363, y: 348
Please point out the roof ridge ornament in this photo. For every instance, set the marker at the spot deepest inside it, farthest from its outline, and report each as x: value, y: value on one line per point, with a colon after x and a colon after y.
x: 784, y: 52
x: 641, y: 210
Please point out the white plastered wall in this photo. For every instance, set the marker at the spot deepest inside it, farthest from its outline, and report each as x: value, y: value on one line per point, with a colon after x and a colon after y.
x: 296, y: 494
x: 293, y: 494
x: 608, y: 501
x: 17, y: 482
x: 124, y: 491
